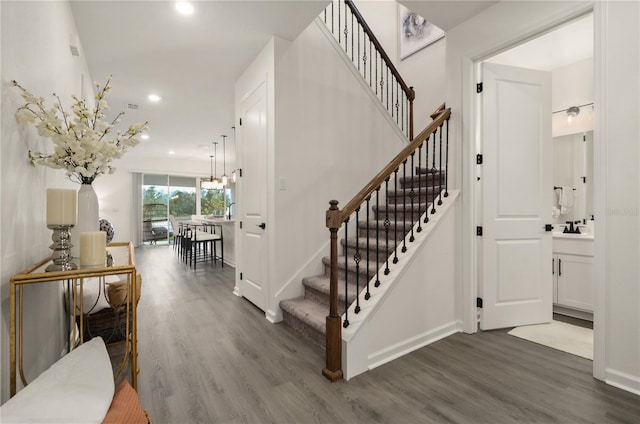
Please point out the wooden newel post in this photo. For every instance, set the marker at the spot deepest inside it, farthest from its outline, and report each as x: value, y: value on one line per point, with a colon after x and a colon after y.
x: 333, y: 369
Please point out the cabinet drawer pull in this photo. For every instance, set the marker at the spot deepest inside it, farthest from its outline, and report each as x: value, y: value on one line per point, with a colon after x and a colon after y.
x: 553, y: 266
x: 559, y: 267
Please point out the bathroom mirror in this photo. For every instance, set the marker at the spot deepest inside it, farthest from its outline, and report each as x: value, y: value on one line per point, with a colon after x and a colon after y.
x: 573, y: 170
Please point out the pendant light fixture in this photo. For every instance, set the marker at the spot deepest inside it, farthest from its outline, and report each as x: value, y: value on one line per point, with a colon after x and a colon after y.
x: 225, y: 179
x: 212, y: 183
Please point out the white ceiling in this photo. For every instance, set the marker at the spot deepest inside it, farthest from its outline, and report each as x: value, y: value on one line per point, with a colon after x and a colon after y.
x: 191, y: 61
x: 194, y: 61
x: 568, y: 44
x: 446, y: 14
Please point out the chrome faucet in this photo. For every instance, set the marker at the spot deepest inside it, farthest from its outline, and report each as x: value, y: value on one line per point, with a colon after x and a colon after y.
x: 229, y: 213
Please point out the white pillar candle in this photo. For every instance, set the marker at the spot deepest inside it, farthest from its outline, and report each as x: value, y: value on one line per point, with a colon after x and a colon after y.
x: 93, y: 248
x: 61, y: 206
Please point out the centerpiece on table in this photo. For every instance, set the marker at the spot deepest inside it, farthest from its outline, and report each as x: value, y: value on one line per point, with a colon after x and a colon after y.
x: 83, y: 144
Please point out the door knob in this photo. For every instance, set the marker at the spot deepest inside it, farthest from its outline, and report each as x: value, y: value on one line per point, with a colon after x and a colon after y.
x: 548, y: 227
x: 263, y: 225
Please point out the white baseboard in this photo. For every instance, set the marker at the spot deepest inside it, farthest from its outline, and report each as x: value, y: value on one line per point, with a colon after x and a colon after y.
x: 400, y: 349
x: 624, y: 381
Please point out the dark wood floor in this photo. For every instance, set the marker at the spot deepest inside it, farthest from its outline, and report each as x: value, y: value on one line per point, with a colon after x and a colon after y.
x: 207, y: 356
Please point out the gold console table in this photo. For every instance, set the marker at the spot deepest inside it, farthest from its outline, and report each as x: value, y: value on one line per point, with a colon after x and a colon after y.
x: 123, y: 264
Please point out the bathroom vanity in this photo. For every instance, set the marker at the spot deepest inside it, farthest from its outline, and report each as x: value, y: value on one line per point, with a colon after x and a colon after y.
x: 573, y: 274
x: 573, y: 254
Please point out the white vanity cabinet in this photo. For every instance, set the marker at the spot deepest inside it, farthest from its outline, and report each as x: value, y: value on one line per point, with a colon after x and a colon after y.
x: 573, y: 273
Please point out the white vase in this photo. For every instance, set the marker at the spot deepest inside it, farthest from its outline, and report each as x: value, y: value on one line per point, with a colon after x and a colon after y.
x: 88, y: 217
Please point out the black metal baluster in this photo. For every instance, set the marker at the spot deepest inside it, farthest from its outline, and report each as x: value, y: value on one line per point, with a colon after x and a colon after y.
x: 397, y: 104
x: 332, y: 19
x: 325, y: 15
x: 395, y: 216
x: 358, y: 47
x: 339, y: 26
x: 387, y: 87
x: 433, y: 164
x: 376, y: 84
x: 345, y: 324
x: 404, y: 207
x: 433, y: 174
x: 387, y: 224
x: 356, y: 258
x: 381, y: 81
x: 377, y: 283
x: 440, y: 166
x: 412, y: 195
x: 419, y: 229
x: 402, y: 109
x: 346, y: 31
x: 426, y: 177
x: 367, y: 294
x: 392, y: 100
x: 446, y: 165
x: 370, y: 62
x: 352, y: 37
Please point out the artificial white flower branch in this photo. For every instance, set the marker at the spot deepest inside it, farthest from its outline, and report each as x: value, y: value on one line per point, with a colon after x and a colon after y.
x: 80, y: 145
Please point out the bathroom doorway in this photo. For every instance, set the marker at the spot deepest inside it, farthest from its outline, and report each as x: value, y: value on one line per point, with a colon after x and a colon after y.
x: 560, y: 275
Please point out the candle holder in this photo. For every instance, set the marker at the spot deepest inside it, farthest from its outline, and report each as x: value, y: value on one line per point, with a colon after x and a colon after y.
x: 61, y: 248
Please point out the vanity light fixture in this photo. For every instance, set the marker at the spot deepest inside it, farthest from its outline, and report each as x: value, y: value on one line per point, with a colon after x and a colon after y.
x: 145, y: 136
x: 572, y: 112
x: 154, y: 98
x: 184, y: 8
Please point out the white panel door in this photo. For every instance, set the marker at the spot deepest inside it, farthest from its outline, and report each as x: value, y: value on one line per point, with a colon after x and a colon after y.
x: 517, y: 190
x: 253, y: 263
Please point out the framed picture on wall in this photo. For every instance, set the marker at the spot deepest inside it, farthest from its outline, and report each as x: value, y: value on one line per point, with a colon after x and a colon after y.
x: 416, y: 32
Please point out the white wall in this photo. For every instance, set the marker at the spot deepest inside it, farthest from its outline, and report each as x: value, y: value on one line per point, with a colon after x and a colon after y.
x: 572, y: 85
x: 617, y: 182
x: 331, y: 139
x: 35, y: 51
x: 420, y: 293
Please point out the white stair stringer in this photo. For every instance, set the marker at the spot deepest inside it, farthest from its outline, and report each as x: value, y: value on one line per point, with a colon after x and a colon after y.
x: 415, y: 305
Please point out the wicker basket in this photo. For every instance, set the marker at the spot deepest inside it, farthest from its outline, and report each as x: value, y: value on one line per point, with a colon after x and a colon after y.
x: 110, y: 324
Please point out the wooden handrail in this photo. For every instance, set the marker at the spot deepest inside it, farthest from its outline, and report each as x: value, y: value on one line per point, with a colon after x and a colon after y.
x: 411, y: 95
x: 442, y: 115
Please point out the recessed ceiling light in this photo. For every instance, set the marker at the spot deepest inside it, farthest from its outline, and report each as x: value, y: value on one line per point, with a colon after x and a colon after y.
x: 171, y: 152
x: 154, y: 98
x: 145, y: 136
x: 184, y: 7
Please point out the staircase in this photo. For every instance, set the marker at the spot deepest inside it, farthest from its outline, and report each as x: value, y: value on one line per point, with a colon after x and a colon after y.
x: 307, y: 314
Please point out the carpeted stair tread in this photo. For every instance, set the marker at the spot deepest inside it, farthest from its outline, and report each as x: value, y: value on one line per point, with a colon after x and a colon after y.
x: 425, y: 180
x: 401, y: 207
x: 351, y: 265
x: 428, y: 170
x: 307, y: 311
x: 379, y: 223
x: 321, y: 283
x: 423, y: 191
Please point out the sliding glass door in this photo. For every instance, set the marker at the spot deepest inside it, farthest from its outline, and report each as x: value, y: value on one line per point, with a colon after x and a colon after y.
x: 165, y: 195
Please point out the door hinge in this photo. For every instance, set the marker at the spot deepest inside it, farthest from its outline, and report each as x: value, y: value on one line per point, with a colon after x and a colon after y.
x: 241, y: 276
x: 478, y: 302
x: 241, y: 225
x: 240, y: 121
x: 584, y: 180
x: 479, y: 87
x: 240, y: 172
x: 479, y: 231
x: 479, y: 159
x: 584, y: 138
